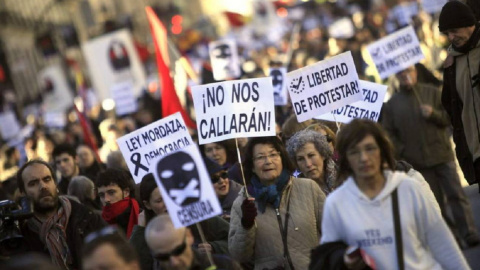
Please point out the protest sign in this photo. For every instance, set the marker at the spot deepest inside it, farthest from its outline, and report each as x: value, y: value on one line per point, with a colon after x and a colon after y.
x: 404, y: 12
x: 186, y: 187
x: 112, y: 59
x: 55, y: 119
x: 280, y: 95
x: 369, y: 107
x: 10, y: 126
x: 342, y: 28
x: 396, y: 52
x: 433, y: 6
x: 233, y: 109
x: 58, y: 94
x: 142, y: 147
x: 324, y: 86
x: 125, y: 101
x: 224, y: 58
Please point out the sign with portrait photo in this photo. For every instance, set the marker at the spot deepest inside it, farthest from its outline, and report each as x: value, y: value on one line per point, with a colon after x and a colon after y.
x: 224, y: 59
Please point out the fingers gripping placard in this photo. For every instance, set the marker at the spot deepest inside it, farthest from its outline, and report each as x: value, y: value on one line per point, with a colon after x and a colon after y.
x: 186, y: 187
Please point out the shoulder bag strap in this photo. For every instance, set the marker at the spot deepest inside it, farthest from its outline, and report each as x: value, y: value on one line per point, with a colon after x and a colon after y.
x: 398, y: 230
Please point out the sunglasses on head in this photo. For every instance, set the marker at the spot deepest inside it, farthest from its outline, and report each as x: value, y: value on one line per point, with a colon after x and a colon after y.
x: 216, y: 178
x: 175, y: 252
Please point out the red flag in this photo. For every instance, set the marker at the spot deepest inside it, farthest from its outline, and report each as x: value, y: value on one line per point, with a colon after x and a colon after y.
x: 170, y: 102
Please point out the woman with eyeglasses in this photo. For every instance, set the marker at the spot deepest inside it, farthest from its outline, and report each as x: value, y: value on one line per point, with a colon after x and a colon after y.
x: 311, y: 153
x: 277, y: 225
x: 360, y: 213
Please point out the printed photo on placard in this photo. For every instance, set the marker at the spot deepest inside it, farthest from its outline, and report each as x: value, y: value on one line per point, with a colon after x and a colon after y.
x: 224, y: 59
x: 280, y: 95
x: 58, y: 95
x: 186, y: 187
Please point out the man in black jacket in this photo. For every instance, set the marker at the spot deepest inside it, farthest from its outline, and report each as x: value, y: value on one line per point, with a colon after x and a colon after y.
x: 59, y: 225
x: 65, y: 159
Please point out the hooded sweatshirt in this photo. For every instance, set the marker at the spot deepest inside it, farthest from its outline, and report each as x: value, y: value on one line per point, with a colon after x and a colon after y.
x: 350, y: 216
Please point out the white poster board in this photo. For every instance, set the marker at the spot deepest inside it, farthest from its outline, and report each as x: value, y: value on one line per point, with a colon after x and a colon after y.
x: 368, y: 108
x: 124, y: 97
x: 233, y: 109
x: 433, y: 6
x: 396, y: 52
x: 224, y: 59
x: 9, y: 127
x: 55, y: 119
x: 280, y: 92
x: 324, y: 86
x: 112, y: 59
x: 58, y: 95
x: 186, y: 188
x: 142, y: 147
x: 404, y: 12
x: 342, y: 28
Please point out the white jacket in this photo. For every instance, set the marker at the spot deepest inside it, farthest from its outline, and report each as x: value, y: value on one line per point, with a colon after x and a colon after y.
x: 352, y: 217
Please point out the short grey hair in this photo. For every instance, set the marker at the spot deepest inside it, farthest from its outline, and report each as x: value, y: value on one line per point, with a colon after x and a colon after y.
x: 301, y: 138
x: 81, y: 187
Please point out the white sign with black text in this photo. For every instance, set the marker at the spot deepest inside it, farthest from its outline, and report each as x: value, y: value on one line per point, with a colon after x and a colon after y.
x: 368, y: 108
x: 280, y: 92
x: 124, y: 97
x: 396, y: 52
x: 224, y: 58
x: 186, y: 187
x: 234, y: 109
x: 323, y: 87
x: 142, y: 147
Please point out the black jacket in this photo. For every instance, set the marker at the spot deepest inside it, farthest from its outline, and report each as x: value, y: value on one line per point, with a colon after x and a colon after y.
x: 82, y: 222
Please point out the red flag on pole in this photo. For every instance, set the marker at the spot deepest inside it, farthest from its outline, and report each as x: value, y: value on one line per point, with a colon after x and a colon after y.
x: 170, y: 102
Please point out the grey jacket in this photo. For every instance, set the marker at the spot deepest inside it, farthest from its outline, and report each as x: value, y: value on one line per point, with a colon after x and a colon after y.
x: 263, y: 244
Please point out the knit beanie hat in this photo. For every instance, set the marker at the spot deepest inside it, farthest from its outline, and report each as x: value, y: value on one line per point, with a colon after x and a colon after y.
x: 455, y: 14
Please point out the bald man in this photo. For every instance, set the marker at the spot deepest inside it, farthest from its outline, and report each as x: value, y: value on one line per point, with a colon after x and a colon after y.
x: 172, y: 248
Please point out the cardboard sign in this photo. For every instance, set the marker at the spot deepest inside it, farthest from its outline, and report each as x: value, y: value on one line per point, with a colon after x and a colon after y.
x: 342, y: 28
x: 224, y: 58
x: 55, y: 119
x: 368, y: 108
x: 404, y: 12
x: 142, y: 147
x: 125, y: 101
x: 323, y: 87
x: 9, y: 127
x: 233, y: 109
x: 433, y: 6
x: 396, y: 52
x: 112, y: 59
x: 58, y: 94
x: 186, y: 188
x: 280, y: 92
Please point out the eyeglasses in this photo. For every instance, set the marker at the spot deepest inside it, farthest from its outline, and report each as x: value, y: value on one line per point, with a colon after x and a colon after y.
x: 357, y: 153
x: 175, y: 252
x: 263, y: 159
x: 109, y: 230
x: 216, y: 178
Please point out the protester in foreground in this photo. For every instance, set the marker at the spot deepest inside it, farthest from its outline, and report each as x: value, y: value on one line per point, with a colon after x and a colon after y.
x: 417, y: 124
x: 59, y: 225
x: 360, y: 212
x: 64, y: 156
x: 172, y: 247
x: 107, y: 249
x: 287, y: 206
x: 115, y: 189
x: 460, y: 95
x: 312, y: 155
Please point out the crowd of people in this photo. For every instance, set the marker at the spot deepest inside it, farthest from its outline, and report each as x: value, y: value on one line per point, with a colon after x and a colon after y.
x: 319, y: 195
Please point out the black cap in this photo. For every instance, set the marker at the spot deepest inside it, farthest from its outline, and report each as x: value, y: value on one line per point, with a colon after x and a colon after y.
x: 455, y: 14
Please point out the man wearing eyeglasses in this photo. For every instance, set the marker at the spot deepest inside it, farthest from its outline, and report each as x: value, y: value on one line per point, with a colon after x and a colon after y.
x: 172, y: 248
x: 417, y: 124
x: 59, y: 225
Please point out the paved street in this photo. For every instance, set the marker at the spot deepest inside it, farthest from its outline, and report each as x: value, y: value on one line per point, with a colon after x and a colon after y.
x: 473, y: 254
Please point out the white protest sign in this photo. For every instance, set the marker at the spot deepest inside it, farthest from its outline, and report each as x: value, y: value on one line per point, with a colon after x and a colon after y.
x: 369, y: 107
x: 433, y: 6
x: 58, y: 94
x: 280, y: 92
x: 186, y: 187
x: 342, y: 28
x: 112, y: 58
x: 396, y: 52
x: 404, y: 12
x: 9, y: 127
x: 324, y: 86
x: 55, y: 119
x: 224, y: 58
x: 142, y: 147
x: 124, y: 97
x: 233, y: 109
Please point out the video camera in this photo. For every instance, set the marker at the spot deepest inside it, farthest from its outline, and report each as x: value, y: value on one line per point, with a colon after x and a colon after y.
x: 11, y: 238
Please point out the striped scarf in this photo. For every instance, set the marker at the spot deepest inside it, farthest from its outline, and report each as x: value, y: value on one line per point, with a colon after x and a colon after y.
x: 52, y: 233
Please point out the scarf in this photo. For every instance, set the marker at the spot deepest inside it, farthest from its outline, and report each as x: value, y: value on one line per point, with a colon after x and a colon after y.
x: 52, y: 233
x: 472, y: 42
x: 269, y: 194
x: 111, y: 211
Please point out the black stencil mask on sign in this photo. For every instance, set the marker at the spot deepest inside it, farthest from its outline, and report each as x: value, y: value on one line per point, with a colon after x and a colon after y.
x: 180, y: 178
x: 277, y: 80
x: 118, y: 55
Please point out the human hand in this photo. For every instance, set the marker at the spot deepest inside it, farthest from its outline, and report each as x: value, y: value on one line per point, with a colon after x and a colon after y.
x: 427, y: 110
x: 249, y: 212
x: 204, y: 248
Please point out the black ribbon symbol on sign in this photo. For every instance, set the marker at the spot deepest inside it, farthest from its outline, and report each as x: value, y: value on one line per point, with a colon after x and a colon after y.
x: 136, y: 158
